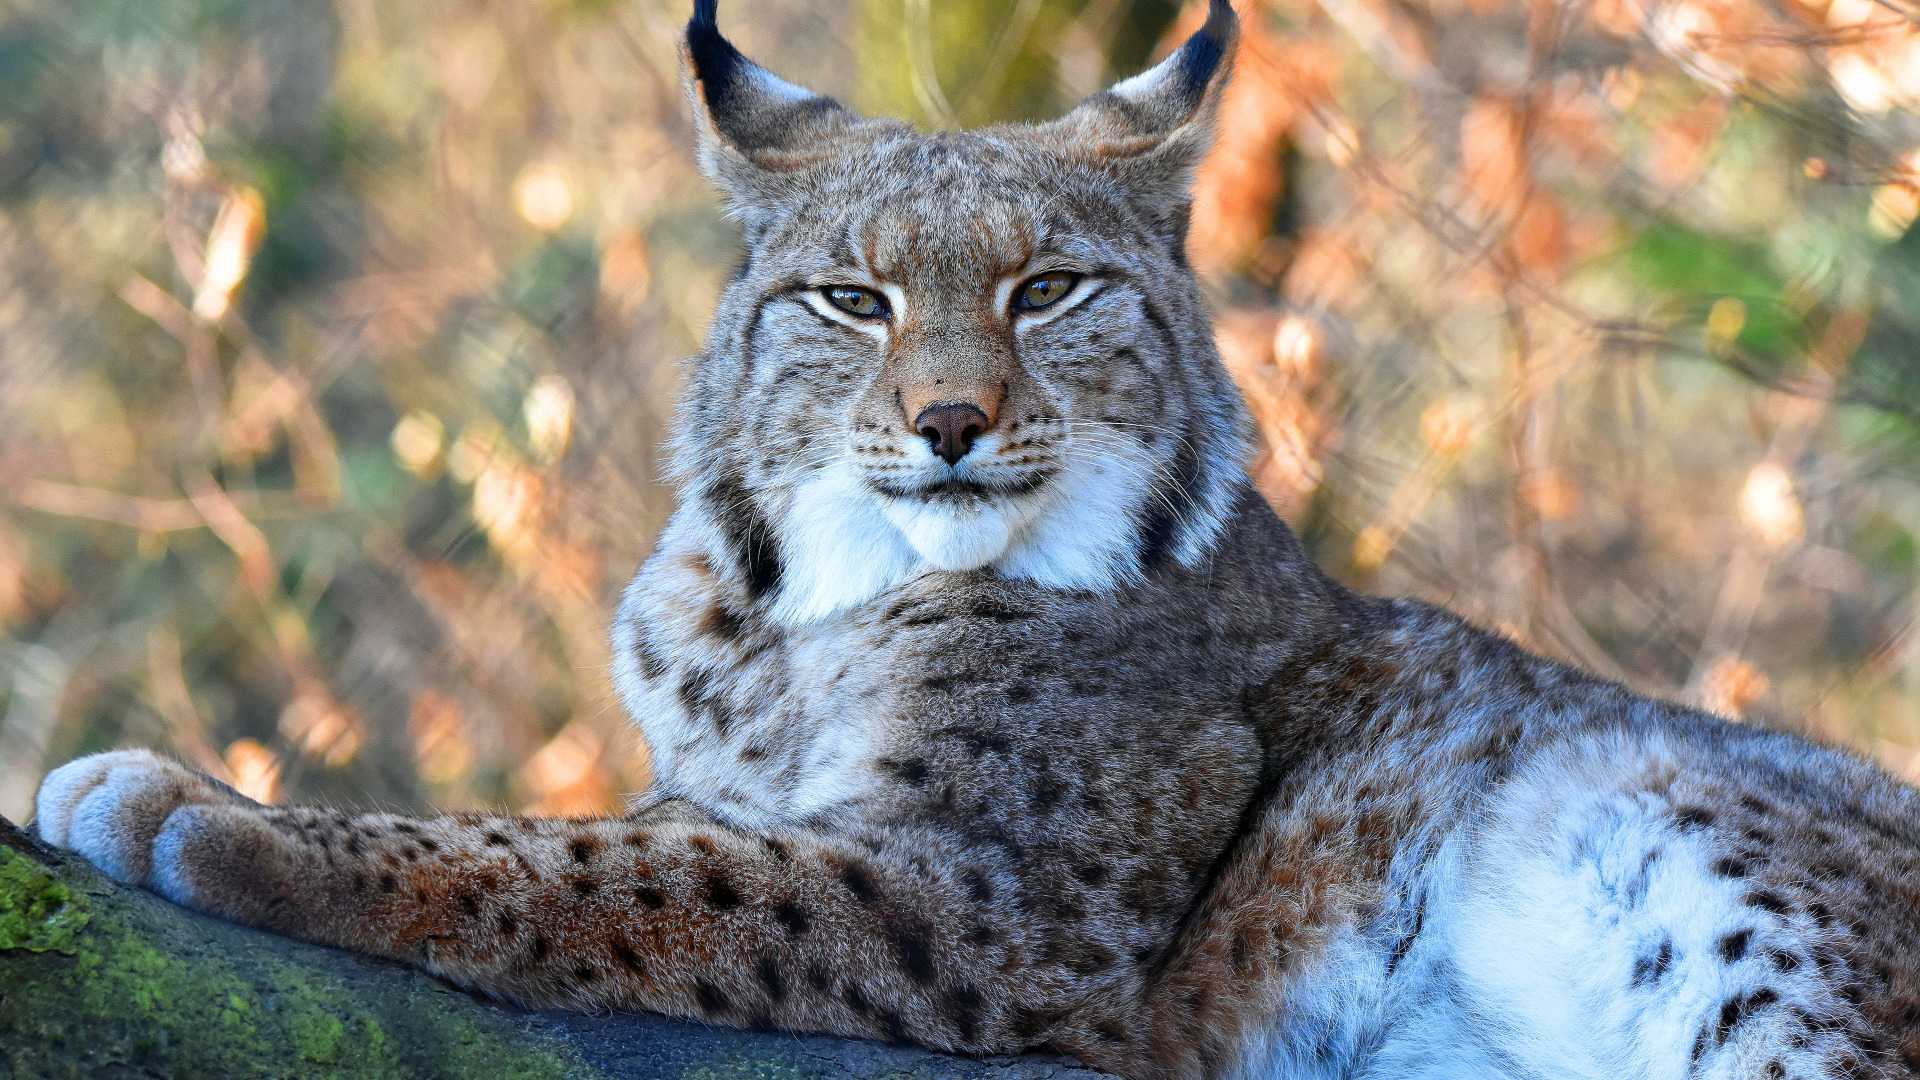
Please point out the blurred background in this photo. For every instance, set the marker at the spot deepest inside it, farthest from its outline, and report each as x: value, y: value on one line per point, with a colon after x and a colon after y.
x: 338, y: 339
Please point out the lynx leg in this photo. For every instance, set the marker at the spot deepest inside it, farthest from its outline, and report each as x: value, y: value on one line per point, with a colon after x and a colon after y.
x: 110, y: 807
x: 667, y: 910
x: 1282, y: 968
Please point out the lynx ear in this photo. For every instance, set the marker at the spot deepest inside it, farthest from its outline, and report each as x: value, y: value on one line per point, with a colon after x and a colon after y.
x: 755, y: 130
x: 1154, y: 128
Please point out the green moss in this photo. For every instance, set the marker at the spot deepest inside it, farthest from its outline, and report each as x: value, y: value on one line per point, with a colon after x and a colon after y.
x: 318, y: 1037
x: 37, y: 913
x: 470, y: 1052
x: 113, y: 978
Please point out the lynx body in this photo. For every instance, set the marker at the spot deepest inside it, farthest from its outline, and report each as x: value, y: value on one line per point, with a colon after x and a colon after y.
x: 991, y: 710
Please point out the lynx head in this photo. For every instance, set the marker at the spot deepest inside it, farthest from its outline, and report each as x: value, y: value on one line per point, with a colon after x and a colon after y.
x: 969, y: 352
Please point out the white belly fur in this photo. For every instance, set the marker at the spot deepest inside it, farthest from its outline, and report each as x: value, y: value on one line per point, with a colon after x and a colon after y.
x: 1572, y: 929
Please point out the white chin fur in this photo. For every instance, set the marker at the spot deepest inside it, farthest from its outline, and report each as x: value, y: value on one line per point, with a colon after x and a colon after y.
x: 843, y: 545
x: 949, y: 537
x: 838, y: 548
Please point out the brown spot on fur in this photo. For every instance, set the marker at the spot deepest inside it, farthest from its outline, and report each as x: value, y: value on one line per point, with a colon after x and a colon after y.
x: 628, y: 959
x: 911, y: 772
x: 583, y: 849
x: 1239, y: 951
x: 791, y: 917
x: 1046, y: 793
x: 650, y: 897
x: 856, y: 999
x: 1089, y: 959
x: 978, y: 888
x: 1029, y: 1024
x: 722, y: 622
x: 962, y: 1007
x: 1735, y: 1011
x: 772, y: 979
x: 857, y: 881
x: 914, y: 952
x: 651, y: 666
x: 712, y: 1001
x: 721, y: 894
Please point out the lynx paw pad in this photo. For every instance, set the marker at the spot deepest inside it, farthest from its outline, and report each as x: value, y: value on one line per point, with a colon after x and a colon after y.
x: 109, y: 808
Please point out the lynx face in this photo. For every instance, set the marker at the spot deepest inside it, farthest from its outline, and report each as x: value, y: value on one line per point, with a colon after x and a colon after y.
x: 956, y: 352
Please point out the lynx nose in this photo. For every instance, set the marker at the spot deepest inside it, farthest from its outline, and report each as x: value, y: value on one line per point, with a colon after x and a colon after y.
x: 950, y: 428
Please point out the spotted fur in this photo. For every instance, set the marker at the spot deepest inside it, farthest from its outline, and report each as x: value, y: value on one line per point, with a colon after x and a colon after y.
x: 1068, y: 745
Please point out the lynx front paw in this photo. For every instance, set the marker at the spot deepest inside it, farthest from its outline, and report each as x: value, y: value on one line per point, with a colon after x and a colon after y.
x: 110, y: 808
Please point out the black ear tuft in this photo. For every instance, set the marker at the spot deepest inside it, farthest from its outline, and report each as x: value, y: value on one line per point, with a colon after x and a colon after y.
x: 1151, y: 131
x: 716, y: 63
x: 755, y: 130
x: 1200, y: 57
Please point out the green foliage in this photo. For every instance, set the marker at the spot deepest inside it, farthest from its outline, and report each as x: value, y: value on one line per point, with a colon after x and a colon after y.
x: 1698, y: 270
x: 1886, y: 370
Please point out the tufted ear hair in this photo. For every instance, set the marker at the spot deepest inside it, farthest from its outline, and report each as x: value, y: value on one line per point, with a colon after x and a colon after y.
x: 755, y: 130
x: 1153, y: 129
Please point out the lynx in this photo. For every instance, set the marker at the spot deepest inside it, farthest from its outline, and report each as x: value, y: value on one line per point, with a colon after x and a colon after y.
x: 993, y: 711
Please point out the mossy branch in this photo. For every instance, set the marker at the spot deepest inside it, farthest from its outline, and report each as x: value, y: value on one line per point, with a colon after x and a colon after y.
x: 100, y: 980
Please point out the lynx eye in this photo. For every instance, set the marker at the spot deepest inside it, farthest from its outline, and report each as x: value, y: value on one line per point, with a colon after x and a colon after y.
x: 1044, y: 290
x: 856, y: 301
